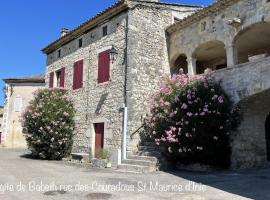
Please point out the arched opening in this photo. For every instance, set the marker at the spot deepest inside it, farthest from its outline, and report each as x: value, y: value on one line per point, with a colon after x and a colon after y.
x: 210, y: 55
x: 267, y: 136
x: 180, y: 63
x: 253, y: 42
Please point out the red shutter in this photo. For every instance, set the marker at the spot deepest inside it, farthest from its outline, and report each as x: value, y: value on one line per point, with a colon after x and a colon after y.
x: 103, y: 67
x: 100, y: 68
x: 78, y: 75
x: 62, y: 78
x: 106, y: 66
x: 51, y: 80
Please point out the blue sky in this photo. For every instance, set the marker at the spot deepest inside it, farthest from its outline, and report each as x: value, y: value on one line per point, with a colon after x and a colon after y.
x: 29, y: 25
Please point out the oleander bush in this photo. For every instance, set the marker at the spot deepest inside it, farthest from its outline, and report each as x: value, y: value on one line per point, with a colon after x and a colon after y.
x: 48, y: 124
x: 192, y: 119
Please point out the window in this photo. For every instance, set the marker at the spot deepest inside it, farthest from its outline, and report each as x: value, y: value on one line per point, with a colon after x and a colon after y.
x: 60, y: 78
x: 18, y: 104
x: 59, y: 53
x: 104, y: 31
x: 80, y: 43
x: 51, y: 80
x: 78, y: 75
x: 104, y: 67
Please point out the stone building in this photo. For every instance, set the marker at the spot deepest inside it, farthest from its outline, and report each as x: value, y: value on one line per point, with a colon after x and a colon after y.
x: 1, y: 120
x: 18, y: 92
x: 110, y: 64
x: 231, y: 37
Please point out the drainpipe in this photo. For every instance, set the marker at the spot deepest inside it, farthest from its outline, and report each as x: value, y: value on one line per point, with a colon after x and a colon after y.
x: 125, y: 122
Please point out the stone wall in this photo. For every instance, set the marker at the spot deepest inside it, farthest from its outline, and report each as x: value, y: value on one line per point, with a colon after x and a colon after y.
x: 147, y: 58
x: 249, y: 144
x: 248, y: 85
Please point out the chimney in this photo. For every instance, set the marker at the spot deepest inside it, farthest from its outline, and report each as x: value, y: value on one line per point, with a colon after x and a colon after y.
x: 64, y: 31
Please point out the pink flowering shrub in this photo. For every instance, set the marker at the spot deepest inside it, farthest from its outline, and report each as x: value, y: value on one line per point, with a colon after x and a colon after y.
x: 192, y: 119
x: 48, y: 124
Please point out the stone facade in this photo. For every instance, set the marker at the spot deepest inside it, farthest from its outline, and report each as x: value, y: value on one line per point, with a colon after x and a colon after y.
x: 232, y: 35
x: 137, y: 30
x: 18, y: 93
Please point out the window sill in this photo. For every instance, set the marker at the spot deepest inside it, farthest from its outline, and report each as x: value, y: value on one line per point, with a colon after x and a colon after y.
x: 104, y: 83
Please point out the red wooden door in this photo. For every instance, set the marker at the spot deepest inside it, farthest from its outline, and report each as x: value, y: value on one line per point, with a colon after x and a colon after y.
x: 99, y: 130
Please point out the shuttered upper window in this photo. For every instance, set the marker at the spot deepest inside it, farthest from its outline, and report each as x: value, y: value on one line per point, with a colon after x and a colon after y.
x: 60, y: 77
x: 103, y: 67
x: 78, y: 75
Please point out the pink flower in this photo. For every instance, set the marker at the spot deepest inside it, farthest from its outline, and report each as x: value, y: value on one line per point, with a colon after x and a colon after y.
x: 220, y: 99
x: 189, y: 114
x: 184, y: 106
x: 65, y: 114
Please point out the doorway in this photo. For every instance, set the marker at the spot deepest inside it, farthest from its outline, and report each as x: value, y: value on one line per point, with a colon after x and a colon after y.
x: 99, y: 136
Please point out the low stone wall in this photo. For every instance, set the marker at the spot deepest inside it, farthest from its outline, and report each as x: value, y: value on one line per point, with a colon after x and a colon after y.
x: 248, y: 85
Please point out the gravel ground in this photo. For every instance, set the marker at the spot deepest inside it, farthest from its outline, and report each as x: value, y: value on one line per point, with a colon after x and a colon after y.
x: 26, y: 179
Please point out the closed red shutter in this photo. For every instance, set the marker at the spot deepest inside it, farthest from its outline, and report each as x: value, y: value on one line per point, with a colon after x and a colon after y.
x: 78, y: 75
x: 62, y: 78
x: 106, y: 66
x: 51, y: 80
x: 103, y: 67
x: 100, y: 68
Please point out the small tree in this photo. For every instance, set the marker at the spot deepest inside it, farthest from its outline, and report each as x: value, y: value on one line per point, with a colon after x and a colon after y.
x: 48, y: 124
x: 192, y: 118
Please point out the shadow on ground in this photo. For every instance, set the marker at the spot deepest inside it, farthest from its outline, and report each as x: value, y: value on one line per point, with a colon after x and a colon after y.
x: 252, y: 183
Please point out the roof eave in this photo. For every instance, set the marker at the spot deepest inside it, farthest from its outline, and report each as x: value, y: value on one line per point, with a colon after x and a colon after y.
x: 88, y: 25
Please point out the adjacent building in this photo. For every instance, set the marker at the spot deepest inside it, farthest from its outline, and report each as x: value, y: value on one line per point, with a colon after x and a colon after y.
x: 18, y: 92
x: 231, y: 37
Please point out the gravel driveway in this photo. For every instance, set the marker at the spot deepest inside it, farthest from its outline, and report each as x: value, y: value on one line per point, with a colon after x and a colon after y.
x: 27, y: 179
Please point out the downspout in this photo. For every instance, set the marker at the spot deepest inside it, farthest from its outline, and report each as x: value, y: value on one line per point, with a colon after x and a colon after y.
x: 125, y: 122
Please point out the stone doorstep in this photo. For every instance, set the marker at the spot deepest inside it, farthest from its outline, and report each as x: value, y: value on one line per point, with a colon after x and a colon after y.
x: 139, y: 162
x: 135, y: 168
x: 146, y: 158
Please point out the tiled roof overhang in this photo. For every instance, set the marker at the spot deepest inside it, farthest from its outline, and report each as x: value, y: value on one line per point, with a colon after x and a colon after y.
x: 28, y: 79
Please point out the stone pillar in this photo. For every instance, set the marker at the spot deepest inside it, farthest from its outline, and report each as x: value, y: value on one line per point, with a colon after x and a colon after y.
x: 231, y: 53
x: 191, y: 65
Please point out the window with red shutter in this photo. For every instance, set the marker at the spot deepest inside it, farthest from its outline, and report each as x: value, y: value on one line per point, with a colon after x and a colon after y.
x: 78, y: 75
x: 104, y: 67
x: 51, y: 80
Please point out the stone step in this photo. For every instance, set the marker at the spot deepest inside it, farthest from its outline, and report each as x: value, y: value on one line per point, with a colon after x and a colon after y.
x: 145, y: 158
x: 135, y: 168
x: 149, y: 153
x: 139, y: 162
x: 153, y: 144
x: 149, y: 148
